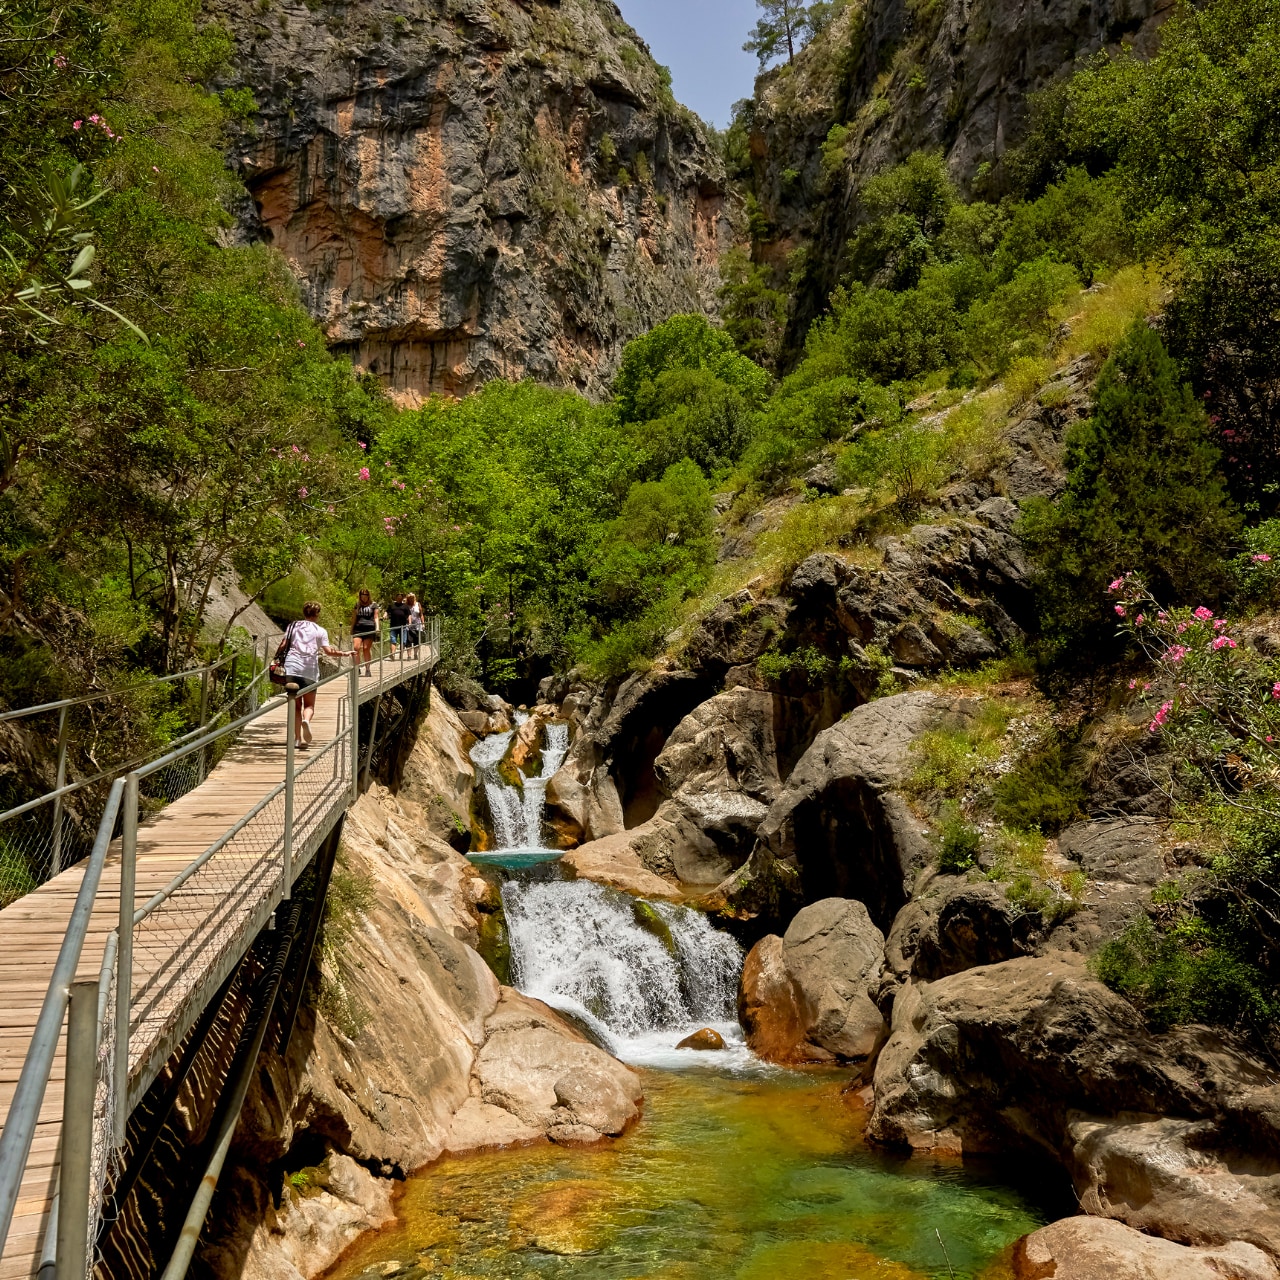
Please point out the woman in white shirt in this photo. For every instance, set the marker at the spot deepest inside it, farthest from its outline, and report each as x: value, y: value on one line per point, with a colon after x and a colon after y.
x: 307, y: 639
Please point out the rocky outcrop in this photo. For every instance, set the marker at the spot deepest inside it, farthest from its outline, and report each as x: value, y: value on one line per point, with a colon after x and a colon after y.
x: 356, y: 1101
x: 469, y: 191
x: 1035, y: 1052
x: 806, y: 997
x: 1088, y: 1248
x: 437, y: 783
x: 839, y: 829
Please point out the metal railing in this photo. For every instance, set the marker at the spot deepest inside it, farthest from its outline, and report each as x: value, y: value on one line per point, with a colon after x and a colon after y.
x: 168, y: 955
x: 41, y: 837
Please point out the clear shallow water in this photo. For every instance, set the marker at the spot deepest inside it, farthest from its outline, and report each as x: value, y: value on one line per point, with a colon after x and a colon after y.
x: 758, y: 1175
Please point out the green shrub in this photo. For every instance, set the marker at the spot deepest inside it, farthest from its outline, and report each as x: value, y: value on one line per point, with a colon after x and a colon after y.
x: 1191, y: 973
x: 961, y: 844
x: 1044, y: 791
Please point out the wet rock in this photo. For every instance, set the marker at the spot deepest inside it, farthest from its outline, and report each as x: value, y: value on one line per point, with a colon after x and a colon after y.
x: 1085, y: 1248
x: 614, y: 861
x: 838, y: 829
x: 707, y: 1039
x: 806, y: 997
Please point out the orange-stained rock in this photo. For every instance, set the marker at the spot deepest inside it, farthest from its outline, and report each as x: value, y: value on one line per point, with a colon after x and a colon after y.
x: 707, y: 1038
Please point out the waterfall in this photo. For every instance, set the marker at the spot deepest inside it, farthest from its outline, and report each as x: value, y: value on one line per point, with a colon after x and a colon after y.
x: 642, y: 975
x: 517, y: 812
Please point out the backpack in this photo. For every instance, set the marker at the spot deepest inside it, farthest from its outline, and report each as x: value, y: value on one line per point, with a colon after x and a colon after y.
x: 276, y: 673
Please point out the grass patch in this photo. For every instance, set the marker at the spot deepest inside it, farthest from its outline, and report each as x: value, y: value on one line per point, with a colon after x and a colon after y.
x: 950, y: 759
x: 351, y: 897
x: 1102, y: 318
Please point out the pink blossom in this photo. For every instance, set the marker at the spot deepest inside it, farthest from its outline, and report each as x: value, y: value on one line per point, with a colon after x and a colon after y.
x: 1120, y: 610
x: 1219, y: 623
x: 1176, y: 653
x: 1224, y: 642
x: 1139, y: 620
x: 1204, y: 614
x: 1275, y: 689
x: 1182, y: 626
x: 1161, y: 716
x: 155, y: 169
x: 1116, y: 585
x: 1162, y: 616
x: 301, y: 343
x: 302, y: 493
x: 76, y: 125
x: 362, y: 444
x: 60, y: 61
x: 364, y: 473
x: 93, y: 119
x: 457, y: 528
x: 1261, y: 559
x: 1133, y: 684
x: 295, y: 448
x: 387, y: 463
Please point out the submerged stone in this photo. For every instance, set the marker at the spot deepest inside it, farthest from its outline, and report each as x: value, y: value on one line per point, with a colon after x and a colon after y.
x: 707, y: 1038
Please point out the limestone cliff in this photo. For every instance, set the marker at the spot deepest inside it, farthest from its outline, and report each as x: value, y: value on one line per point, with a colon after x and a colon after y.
x: 471, y: 189
x: 890, y: 77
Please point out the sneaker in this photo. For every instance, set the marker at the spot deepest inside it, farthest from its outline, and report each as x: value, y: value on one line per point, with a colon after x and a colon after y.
x: 303, y: 746
x: 307, y: 735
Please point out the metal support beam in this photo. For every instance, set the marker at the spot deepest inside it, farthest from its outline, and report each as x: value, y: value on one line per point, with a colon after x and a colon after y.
x: 124, y: 954
x: 286, y: 881
x: 61, y: 782
x: 373, y: 738
x: 77, y: 1132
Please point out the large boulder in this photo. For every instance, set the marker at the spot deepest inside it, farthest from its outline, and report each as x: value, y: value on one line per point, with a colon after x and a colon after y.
x: 617, y: 861
x: 839, y: 829
x: 438, y: 777
x: 807, y: 996
x: 1085, y: 1248
x: 719, y: 770
x: 1004, y: 1053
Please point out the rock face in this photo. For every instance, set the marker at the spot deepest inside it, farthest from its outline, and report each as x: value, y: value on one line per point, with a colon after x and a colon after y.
x: 838, y: 828
x: 901, y: 77
x: 472, y: 190
x: 806, y: 997
x: 1088, y: 1248
x: 1035, y: 1052
x: 483, y: 1067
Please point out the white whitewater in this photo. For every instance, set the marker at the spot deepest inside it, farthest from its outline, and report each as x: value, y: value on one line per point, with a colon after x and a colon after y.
x: 642, y: 976
x: 517, y: 812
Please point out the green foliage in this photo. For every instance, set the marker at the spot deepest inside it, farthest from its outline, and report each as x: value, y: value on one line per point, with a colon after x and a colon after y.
x: 1192, y: 972
x: 951, y: 759
x: 754, y: 313
x: 1143, y: 494
x: 1044, y: 791
x: 961, y: 844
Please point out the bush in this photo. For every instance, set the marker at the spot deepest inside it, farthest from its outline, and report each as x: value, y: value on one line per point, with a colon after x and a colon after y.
x: 1043, y: 792
x: 961, y: 844
x: 1191, y: 973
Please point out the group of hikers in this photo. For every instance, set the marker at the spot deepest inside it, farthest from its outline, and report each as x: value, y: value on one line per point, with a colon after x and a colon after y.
x: 297, y: 659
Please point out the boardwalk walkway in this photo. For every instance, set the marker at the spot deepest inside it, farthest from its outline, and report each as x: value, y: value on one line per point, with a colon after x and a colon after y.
x: 186, y: 946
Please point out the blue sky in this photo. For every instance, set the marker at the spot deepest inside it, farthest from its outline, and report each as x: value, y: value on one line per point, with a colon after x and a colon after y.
x: 701, y: 41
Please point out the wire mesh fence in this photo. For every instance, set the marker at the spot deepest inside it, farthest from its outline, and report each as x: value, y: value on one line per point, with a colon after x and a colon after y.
x: 77, y: 748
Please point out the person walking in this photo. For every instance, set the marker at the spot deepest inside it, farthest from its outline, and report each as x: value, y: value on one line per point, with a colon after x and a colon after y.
x: 307, y: 640
x: 415, y: 622
x: 398, y: 616
x: 365, y: 625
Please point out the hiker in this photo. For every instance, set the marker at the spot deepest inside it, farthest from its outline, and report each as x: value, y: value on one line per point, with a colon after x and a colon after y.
x: 306, y: 639
x: 398, y: 616
x: 365, y: 626
x: 415, y: 622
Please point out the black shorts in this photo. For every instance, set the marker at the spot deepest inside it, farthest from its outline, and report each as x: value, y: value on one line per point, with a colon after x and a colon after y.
x: 303, y: 682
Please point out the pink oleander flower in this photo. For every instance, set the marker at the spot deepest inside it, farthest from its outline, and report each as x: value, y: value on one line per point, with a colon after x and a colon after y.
x: 1261, y: 559
x: 1176, y: 653
x: 1219, y: 623
x: 1275, y: 689
x: 387, y: 463
x: 300, y: 342
x: 1204, y: 614
x: 295, y: 448
x: 1224, y: 642
x: 1133, y: 684
x: 1182, y: 626
x: 1162, y: 616
x: 1120, y: 610
x: 362, y: 444
x: 1160, y: 717
x: 457, y: 528
x: 155, y: 169
x: 1139, y: 620
x: 60, y: 61
x: 77, y: 125
x: 93, y: 119
x: 302, y: 493
x: 1116, y: 585
x: 364, y: 473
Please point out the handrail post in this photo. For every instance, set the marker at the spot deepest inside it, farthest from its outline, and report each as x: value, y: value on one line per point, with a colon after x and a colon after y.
x: 62, y: 781
x: 202, y: 762
x: 124, y: 953
x: 286, y: 882
x: 353, y: 681
x: 77, y: 1132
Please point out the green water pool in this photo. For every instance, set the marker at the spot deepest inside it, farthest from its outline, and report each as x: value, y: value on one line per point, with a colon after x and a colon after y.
x: 761, y: 1177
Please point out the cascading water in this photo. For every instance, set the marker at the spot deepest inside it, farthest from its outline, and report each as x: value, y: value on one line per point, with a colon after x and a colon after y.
x: 641, y: 974
x: 517, y: 811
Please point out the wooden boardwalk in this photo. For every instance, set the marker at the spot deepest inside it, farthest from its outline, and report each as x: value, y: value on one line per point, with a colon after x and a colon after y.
x: 183, y: 949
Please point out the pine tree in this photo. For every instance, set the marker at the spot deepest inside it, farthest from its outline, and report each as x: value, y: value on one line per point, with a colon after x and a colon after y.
x: 782, y: 26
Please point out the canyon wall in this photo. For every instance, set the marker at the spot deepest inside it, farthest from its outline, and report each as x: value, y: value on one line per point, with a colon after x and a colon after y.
x: 891, y: 77
x: 474, y: 189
